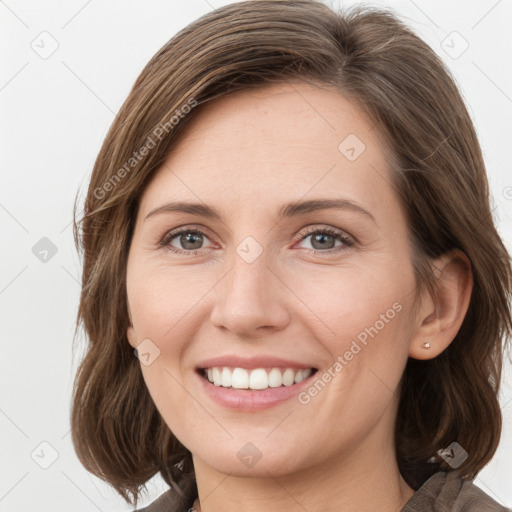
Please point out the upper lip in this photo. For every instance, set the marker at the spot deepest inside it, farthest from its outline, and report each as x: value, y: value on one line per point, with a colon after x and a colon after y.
x: 236, y: 361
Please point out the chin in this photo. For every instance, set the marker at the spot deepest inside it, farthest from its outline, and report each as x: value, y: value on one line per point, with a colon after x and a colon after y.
x: 248, y: 461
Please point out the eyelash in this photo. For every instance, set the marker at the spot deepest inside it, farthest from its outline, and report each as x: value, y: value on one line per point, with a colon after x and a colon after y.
x: 339, y: 235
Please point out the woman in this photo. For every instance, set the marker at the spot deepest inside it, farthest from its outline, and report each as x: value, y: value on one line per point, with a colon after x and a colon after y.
x: 288, y: 224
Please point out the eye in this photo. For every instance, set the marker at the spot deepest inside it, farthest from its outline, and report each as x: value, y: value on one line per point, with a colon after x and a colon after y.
x: 323, y: 240
x: 184, y: 241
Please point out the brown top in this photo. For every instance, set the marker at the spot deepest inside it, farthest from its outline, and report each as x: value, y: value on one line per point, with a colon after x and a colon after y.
x: 442, y: 492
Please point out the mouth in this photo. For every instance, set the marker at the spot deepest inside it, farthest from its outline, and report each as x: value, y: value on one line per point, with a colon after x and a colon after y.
x: 255, y: 379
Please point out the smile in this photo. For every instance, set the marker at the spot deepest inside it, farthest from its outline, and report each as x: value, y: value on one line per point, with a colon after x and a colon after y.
x: 256, y: 378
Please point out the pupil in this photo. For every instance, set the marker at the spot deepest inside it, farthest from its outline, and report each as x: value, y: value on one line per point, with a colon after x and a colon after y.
x: 189, y: 238
x: 321, y: 238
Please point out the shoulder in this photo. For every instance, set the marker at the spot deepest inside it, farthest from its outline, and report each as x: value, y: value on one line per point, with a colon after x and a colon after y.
x: 448, y: 491
x: 172, y: 501
x: 169, y: 501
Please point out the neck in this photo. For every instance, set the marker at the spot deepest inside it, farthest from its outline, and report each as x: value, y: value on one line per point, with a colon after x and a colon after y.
x: 358, y: 480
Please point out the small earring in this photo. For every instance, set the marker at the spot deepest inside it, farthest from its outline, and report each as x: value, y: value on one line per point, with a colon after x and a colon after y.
x: 426, y: 345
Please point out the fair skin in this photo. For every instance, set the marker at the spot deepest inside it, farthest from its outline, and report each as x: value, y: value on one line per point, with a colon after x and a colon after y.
x: 246, y: 155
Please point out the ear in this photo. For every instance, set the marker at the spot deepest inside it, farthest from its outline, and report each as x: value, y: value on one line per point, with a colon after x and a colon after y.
x: 132, y: 337
x: 438, y: 324
x: 130, y: 331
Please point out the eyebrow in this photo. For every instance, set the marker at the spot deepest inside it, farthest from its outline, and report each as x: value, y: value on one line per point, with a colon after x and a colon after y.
x: 289, y: 210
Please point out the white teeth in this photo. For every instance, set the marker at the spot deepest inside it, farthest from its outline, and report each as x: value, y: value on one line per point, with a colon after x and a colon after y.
x: 216, y: 377
x: 225, y: 378
x: 239, y: 378
x: 299, y: 376
x: 288, y: 377
x: 275, y: 379
x: 259, y: 378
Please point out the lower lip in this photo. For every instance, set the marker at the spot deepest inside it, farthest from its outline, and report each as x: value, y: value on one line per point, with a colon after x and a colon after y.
x: 249, y: 400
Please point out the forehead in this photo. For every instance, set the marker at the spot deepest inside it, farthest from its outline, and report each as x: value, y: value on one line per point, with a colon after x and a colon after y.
x: 277, y: 142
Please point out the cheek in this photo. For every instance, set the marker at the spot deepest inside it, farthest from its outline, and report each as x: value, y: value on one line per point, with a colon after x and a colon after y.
x: 361, y: 320
x: 165, y: 305
x: 163, y: 301
x: 162, y: 304
x: 347, y: 302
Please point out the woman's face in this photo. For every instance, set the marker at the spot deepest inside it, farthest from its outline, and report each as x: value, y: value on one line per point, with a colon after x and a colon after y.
x: 267, y: 279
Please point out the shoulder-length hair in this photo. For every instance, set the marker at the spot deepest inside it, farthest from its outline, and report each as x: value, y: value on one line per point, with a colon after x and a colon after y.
x: 372, y: 57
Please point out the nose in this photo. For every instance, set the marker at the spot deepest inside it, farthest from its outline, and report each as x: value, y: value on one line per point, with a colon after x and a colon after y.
x: 251, y: 300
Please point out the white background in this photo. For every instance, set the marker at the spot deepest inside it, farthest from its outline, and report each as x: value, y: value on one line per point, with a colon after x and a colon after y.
x: 55, y: 113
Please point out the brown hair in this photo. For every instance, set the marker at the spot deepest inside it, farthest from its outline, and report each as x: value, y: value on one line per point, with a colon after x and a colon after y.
x: 373, y: 57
